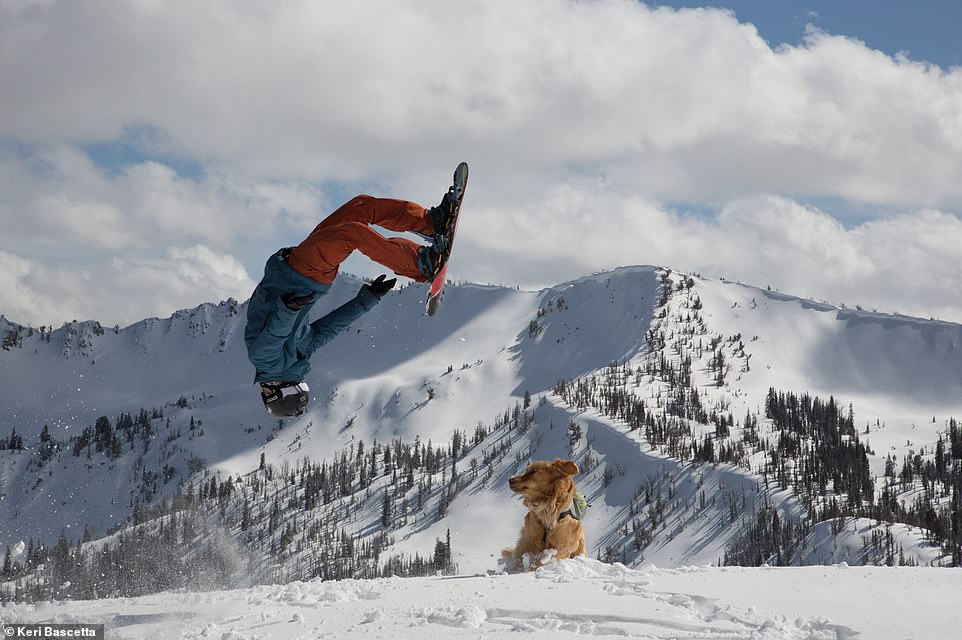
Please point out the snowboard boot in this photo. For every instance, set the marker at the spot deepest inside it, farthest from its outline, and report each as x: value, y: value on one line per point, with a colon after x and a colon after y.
x: 431, y: 258
x: 443, y: 215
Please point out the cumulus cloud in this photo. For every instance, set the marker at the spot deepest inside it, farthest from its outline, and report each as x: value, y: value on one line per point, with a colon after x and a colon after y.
x: 121, y: 291
x: 80, y: 242
x: 582, y: 122
x: 907, y: 263
x: 677, y: 104
x: 57, y: 197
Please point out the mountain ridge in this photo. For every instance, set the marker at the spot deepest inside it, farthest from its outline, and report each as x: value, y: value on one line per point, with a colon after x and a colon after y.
x: 396, y: 375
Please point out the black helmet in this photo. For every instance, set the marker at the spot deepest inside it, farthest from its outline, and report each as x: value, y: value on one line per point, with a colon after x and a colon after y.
x: 285, y: 399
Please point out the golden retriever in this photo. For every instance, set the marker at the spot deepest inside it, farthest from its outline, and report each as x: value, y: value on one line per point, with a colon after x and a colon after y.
x: 548, y: 492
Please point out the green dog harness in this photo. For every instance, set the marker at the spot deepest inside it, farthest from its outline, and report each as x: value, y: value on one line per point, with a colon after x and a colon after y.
x: 579, y: 507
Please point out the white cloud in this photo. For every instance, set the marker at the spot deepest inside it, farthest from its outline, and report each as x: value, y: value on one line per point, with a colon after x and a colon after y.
x: 80, y: 243
x: 58, y: 198
x: 121, y: 291
x: 580, y: 121
x: 674, y: 104
x: 908, y: 263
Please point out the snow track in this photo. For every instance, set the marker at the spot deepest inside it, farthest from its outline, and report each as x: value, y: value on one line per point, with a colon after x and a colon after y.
x: 580, y: 597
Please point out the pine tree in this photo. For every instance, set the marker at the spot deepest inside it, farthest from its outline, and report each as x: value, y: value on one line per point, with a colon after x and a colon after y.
x: 386, y: 510
x: 7, y: 570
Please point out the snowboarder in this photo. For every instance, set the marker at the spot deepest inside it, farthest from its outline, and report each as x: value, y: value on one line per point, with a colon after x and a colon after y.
x: 280, y: 340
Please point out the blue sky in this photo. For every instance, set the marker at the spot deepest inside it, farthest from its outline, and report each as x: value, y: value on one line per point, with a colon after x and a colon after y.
x: 922, y: 29
x: 154, y: 167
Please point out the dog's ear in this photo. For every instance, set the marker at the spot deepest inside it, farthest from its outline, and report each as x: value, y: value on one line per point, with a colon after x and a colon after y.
x: 567, y: 467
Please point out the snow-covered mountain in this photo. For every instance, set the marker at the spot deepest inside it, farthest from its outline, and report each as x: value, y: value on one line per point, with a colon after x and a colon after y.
x: 658, y: 384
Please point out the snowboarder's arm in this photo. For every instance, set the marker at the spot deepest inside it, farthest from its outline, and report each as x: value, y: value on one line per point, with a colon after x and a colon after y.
x: 324, y: 329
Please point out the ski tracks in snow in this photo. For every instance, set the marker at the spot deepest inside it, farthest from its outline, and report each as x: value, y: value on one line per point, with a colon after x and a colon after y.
x: 658, y: 614
x: 580, y: 597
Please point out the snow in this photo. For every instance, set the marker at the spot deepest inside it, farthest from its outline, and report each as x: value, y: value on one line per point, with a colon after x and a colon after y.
x: 852, y: 544
x: 572, y: 597
x: 396, y: 374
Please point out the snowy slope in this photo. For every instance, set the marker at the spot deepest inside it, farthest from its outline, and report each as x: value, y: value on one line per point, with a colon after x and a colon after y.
x: 397, y: 374
x: 579, y: 597
x: 895, y: 370
x: 860, y: 541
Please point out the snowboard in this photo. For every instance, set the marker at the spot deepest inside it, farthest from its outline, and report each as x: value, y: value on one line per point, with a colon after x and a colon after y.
x: 437, y: 285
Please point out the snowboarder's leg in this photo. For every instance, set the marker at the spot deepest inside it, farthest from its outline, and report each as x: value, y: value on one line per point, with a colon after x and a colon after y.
x: 319, y: 256
x: 396, y: 215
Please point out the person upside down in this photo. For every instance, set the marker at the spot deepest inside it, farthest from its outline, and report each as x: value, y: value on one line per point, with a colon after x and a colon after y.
x: 280, y: 339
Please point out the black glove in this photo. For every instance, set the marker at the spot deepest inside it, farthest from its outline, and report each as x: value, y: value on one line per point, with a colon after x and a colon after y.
x: 296, y: 303
x: 380, y: 287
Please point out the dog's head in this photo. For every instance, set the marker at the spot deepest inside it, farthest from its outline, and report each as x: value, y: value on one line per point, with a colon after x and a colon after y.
x: 543, y: 482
